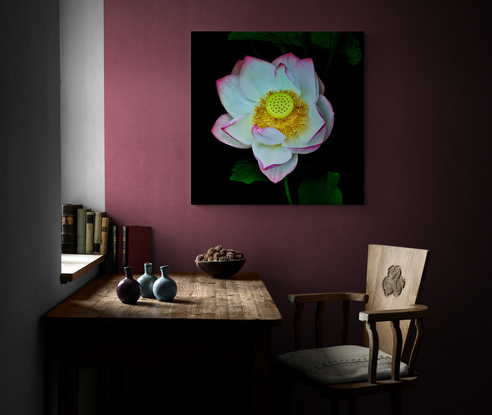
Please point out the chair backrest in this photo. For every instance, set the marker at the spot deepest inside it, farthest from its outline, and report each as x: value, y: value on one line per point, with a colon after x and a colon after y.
x: 394, y: 280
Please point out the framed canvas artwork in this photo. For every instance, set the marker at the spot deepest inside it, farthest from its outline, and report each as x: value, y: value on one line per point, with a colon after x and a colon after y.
x: 277, y: 118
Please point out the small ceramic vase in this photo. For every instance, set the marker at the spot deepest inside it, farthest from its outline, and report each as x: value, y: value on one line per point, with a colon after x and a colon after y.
x: 165, y: 288
x: 128, y: 289
x: 147, y: 281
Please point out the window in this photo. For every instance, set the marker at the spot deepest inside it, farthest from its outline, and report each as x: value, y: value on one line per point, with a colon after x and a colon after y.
x: 82, y: 108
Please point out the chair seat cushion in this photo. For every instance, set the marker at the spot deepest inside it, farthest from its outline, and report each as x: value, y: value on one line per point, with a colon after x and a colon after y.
x: 339, y: 364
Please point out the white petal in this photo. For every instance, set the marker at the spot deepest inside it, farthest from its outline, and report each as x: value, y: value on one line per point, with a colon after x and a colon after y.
x: 306, y: 77
x: 315, y: 124
x: 310, y: 147
x: 217, y: 131
x: 268, y: 135
x: 270, y: 156
x: 289, y: 60
x: 232, y: 96
x: 275, y: 174
x: 327, y: 113
x: 257, y: 77
x: 285, y: 80
x: 240, y: 129
x: 237, y: 67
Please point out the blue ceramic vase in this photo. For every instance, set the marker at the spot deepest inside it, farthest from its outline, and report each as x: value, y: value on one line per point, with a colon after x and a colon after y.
x: 165, y: 288
x: 147, y: 281
x: 128, y: 289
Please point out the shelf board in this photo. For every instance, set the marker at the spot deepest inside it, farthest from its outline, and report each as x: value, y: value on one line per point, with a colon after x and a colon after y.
x: 75, y: 265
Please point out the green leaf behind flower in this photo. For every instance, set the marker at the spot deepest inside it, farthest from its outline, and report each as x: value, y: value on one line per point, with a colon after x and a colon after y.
x: 322, y: 191
x: 322, y: 40
x: 247, y: 171
x: 279, y: 39
x: 325, y: 40
x: 343, y: 42
x: 350, y: 48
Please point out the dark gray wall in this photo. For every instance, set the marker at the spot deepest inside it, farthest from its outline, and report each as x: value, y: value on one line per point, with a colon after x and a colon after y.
x: 30, y: 204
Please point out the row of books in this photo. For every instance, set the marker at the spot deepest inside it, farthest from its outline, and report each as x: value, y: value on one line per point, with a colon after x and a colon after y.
x: 84, y: 231
x: 132, y: 247
x: 87, y: 232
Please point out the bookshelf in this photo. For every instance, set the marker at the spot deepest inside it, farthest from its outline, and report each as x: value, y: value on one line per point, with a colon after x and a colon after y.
x: 75, y: 265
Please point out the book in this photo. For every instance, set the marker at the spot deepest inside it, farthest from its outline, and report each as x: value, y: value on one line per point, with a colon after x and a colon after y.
x: 124, y: 247
x: 115, y: 249
x: 97, y: 231
x: 138, y: 247
x: 89, y: 233
x: 69, y: 228
x: 105, y: 227
x: 81, y: 225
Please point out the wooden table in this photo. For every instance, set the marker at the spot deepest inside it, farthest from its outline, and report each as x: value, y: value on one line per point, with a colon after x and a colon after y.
x: 211, y: 325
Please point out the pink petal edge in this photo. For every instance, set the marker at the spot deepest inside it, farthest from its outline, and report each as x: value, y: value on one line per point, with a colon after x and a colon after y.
x: 269, y: 136
x: 289, y: 59
x: 275, y: 175
x: 328, y: 131
x: 222, y: 136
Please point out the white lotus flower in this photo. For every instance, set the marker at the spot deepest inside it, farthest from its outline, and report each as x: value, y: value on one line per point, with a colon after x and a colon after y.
x: 278, y: 109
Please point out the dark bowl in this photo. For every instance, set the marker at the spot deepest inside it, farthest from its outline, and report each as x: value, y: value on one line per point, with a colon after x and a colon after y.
x: 220, y: 269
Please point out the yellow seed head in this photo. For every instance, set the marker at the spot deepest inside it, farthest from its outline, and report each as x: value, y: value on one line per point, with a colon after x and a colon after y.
x: 282, y: 110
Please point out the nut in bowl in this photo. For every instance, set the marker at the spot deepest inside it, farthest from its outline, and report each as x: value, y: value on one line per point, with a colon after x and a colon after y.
x: 218, y: 262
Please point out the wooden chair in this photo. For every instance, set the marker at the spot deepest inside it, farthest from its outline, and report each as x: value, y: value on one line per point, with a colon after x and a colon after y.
x: 386, y: 361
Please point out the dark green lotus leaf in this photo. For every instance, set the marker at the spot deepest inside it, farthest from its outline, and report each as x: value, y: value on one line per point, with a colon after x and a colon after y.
x: 321, y: 40
x: 247, y: 171
x: 343, y: 42
x: 350, y: 48
x: 277, y: 38
x: 325, y: 40
x: 322, y: 191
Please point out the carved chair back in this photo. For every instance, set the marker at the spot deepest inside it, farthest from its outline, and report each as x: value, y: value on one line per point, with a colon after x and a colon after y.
x: 394, y: 281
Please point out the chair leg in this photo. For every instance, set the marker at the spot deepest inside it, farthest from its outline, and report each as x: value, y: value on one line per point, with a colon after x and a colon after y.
x: 396, y: 403
x: 335, y: 407
x: 286, y: 395
x: 352, y: 406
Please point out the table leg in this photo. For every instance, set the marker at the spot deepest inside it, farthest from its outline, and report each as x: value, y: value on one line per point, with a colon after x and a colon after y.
x: 261, y: 372
x: 68, y: 378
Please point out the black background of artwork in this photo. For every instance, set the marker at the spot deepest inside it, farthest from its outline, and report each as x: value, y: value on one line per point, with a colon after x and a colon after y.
x: 213, y: 57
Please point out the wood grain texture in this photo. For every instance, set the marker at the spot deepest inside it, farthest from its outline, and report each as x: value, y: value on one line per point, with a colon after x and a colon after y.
x: 413, y: 263
x: 200, y: 299
x: 395, y: 277
x: 211, y: 326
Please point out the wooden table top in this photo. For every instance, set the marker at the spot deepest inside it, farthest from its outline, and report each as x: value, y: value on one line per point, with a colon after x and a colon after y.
x: 243, y: 299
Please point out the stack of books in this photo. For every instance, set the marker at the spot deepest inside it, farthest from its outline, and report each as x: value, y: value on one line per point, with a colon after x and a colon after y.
x: 84, y: 231
x: 87, y: 232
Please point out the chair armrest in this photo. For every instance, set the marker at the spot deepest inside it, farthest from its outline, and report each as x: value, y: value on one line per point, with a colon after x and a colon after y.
x: 320, y: 297
x: 415, y: 311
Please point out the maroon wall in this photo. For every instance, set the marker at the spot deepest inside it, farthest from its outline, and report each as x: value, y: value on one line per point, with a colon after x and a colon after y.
x: 427, y: 148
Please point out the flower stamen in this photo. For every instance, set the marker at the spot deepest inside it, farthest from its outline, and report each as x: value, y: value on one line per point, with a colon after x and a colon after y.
x: 282, y: 110
x: 279, y: 105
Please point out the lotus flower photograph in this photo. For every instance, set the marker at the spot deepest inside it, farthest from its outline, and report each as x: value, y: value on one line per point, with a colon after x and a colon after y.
x: 277, y: 118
